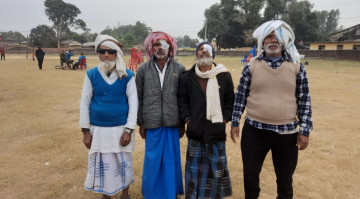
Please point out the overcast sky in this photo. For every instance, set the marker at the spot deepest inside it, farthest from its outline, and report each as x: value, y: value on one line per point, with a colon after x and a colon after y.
x: 177, y: 17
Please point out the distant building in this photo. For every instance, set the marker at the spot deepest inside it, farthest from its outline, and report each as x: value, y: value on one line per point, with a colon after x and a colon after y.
x: 8, y: 41
x: 347, y: 39
x: 88, y: 45
x: 70, y: 44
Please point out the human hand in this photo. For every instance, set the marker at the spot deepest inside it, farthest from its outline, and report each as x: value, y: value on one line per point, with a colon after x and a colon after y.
x: 87, y: 139
x: 234, y: 133
x: 302, y: 141
x: 125, y: 139
x: 142, y: 132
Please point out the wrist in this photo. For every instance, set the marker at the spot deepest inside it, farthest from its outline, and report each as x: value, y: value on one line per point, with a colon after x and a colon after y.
x: 128, y: 130
x: 84, y: 130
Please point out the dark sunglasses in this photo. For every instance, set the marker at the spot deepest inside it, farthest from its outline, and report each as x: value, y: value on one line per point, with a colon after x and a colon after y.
x: 110, y: 51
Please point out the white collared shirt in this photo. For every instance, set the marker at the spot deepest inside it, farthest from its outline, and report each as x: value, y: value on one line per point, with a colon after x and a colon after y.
x: 162, y: 74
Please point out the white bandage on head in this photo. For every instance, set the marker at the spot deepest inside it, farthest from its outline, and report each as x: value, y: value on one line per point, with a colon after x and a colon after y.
x: 284, y: 35
x: 164, y: 44
x: 208, y: 48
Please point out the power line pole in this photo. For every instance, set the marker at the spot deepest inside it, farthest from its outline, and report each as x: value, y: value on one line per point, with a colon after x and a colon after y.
x: 27, y: 46
x: 205, y: 31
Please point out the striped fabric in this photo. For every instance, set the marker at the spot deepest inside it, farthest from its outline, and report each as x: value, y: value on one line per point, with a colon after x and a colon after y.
x: 109, y: 173
x: 206, y: 171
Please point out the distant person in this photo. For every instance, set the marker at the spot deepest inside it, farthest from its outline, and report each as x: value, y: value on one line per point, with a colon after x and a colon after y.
x: 2, y: 52
x: 141, y: 56
x: 206, y: 99
x: 134, y: 60
x: 274, y: 89
x: 158, y: 118
x: 39, y: 53
x: 82, y: 61
x: 108, y: 112
x: 62, y: 57
x: 68, y: 55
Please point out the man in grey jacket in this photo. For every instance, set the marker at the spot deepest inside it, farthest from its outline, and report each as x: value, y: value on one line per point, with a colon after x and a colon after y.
x: 158, y: 117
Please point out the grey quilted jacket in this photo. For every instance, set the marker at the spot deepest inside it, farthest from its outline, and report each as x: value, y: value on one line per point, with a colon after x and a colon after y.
x: 158, y: 107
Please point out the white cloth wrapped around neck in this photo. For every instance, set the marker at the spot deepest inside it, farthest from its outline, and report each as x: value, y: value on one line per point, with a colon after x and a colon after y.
x: 213, y: 105
x: 284, y: 34
x: 106, y: 40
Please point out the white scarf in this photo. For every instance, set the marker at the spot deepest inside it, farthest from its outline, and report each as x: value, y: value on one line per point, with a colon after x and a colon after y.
x: 284, y: 34
x: 213, y: 106
x: 106, y: 40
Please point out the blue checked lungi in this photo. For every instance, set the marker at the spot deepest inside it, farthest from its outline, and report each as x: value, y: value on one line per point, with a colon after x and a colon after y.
x: 109, y: 173
x: 162, y: 176
x: 206, y: 171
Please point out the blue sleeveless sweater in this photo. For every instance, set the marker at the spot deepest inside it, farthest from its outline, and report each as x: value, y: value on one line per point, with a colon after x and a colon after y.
x: 109, y: 105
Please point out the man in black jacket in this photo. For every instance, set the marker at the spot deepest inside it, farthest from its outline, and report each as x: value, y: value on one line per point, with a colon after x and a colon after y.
x: 40, y: 57
x: 206, y: 98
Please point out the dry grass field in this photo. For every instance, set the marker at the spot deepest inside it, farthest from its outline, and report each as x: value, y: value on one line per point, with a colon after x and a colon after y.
x: 42, y: 155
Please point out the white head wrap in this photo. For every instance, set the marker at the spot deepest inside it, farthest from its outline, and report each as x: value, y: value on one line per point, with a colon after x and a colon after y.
x: 284, y: 34
x: 111, y: 42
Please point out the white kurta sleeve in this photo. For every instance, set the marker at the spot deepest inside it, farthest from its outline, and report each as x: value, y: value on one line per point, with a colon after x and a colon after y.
x: 132, y: 96
x: 86, y: 95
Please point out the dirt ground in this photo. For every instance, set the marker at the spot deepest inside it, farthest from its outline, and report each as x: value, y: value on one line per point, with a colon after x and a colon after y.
x: 42, y: 155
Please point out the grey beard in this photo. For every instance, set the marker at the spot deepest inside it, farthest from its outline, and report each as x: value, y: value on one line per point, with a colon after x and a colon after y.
x: 107, y: 66
x: 207, y: 61
x: 161, y: 56
x: 268, y: 51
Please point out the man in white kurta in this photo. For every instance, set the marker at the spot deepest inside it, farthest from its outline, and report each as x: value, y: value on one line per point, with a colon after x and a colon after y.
x: 108, y: 114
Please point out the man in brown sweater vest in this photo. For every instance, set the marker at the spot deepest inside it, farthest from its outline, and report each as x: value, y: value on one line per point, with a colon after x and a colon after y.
x: 274, y: 89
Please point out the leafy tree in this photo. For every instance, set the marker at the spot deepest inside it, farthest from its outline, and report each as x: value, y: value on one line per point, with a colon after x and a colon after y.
x: 186, y: 41
x: 128, y: 40
x: 232, y: 22
x: 214, y: 25
x: 82, y: 38
x: 106, y: 31
x: 90, y: 37
x: 63, y: 15
x: 42, y: 35
x: 249, y: 12
x: 234, y: 37
x: 10, y: 35
x: 224, y: 24
x: 124, y: 33
x: 276, y: 9
x: 140, y: 31
x: 304, y: 22
x: 332, y: 21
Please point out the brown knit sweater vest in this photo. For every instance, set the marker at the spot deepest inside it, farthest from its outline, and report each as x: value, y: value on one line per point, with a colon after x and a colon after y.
x: 272, y: 97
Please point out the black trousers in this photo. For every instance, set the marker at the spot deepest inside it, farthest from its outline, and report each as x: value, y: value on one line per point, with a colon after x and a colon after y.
x: 3, y: 56
x: 255, y: 144
x: 40, y: 62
